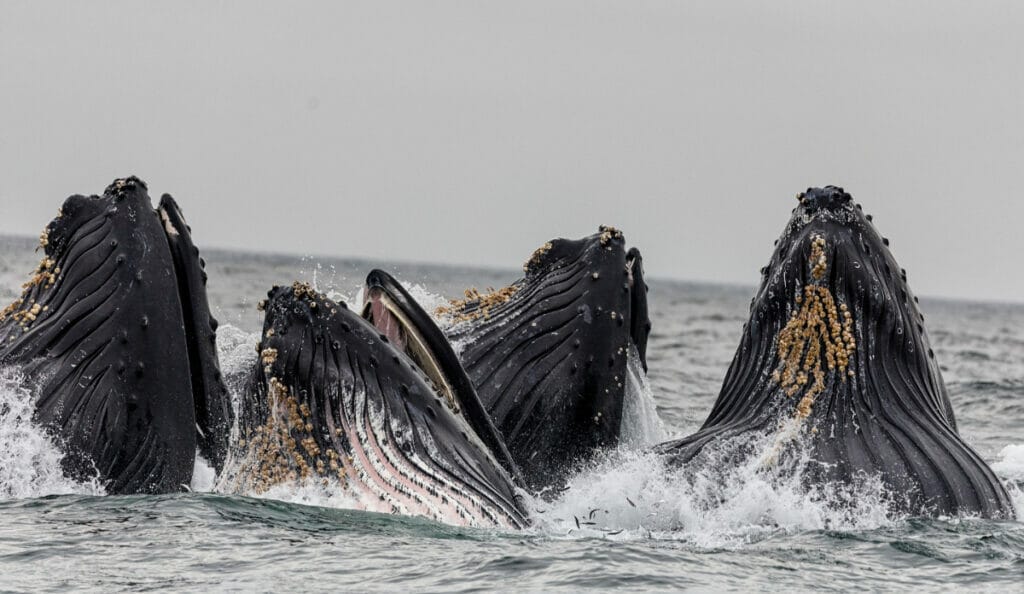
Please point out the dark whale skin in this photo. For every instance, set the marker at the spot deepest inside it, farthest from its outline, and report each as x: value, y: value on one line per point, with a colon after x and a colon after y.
x: 862, y: 392
x: 548, y: 354
x: 100, y: 333
x: 212, y: 402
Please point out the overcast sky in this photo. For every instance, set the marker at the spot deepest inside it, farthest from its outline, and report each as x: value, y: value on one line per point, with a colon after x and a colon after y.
x: 471, y: 132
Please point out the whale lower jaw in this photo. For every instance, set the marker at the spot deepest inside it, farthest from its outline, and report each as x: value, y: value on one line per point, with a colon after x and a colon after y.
x: 367, y: 467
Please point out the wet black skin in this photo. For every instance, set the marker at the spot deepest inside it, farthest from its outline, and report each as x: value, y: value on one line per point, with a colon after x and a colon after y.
x: 328, y: 356
x: 214, y: 415
x: 121, y: 349
x: 549, y: 363
x: 891, y: 418
x: 380, y: 283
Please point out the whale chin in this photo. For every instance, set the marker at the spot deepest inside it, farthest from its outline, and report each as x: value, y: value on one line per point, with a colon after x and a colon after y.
x: 548, y: 354
x: 835, y: 363
x: 114, y: 329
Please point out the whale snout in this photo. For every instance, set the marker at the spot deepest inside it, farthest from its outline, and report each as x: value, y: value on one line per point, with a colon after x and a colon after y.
x: 831, y: 198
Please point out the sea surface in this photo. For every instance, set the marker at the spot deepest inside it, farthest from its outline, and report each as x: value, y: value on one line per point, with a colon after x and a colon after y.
x: 624, y: 524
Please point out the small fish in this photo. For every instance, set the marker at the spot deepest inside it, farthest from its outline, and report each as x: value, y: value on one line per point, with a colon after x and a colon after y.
x: 592, y: 512
x: 577, y: 522
x: 616, y: 532
x: 630, y: 501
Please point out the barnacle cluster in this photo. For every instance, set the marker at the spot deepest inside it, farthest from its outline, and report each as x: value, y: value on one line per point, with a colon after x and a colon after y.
x: 25, y: 316
x: 816, y: 341
x: 536, y: 256
x: 608, y: 233
x: 304, y: 290
x: 268, y: 356
x: 45, y: 275
x: 818, y: 259
x: 11, y: 309
x: 283, y: 448
x: 476, y: 305
x: 25, y: 311
x: 44, y: 236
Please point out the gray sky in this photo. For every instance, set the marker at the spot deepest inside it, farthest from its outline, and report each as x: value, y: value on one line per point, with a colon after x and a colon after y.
x: 471, y: 132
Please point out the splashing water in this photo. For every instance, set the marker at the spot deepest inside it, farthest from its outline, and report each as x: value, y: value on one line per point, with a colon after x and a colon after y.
x: 204, y: 476
x: 1011, y: 462
x: 428, y: 300
x: 718, y: 503
x: 630, y: 494
x: 641, y: 425
x: 313, y: 492
x: 30, y: 462
x: 1010, y: 467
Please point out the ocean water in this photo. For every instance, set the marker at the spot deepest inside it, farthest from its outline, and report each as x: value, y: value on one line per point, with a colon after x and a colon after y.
x: 625, y: 523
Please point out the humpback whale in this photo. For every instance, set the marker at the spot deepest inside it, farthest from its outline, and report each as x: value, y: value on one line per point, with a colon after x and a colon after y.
x: 548, y: 354
x: 835, y: 362
x: 393, y: 311
x: 114, y: 331
x: 333, y: 400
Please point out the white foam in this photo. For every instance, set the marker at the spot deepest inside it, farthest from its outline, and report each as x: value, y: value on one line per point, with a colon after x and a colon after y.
x: 633, y: 495
x: 1017, y: 498
x: 236, y: 350
x: 1011, y: 462
x: 428, y: 300
x: 30, y: 462
x: 1010, y: 467
x: 312, y: 492
x: 641, y: 425
x: 203, y: 476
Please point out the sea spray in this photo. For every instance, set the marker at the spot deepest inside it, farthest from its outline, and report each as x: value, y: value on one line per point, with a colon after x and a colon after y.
x: 204, y: 476
x: 641, y: 425
x: 30, y: 461
x: 1010, y: 467
x: 718, y: 503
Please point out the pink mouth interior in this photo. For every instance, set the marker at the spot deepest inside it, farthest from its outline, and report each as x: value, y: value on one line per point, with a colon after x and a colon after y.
x: 382, y: 319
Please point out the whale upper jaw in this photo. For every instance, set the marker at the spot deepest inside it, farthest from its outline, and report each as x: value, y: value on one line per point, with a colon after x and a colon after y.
x: 410, y: 329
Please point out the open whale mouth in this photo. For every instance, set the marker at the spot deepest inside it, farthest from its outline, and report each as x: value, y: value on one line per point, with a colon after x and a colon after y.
x: 384, y: 306
x: 333, y: 399
x: 410, y: 329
